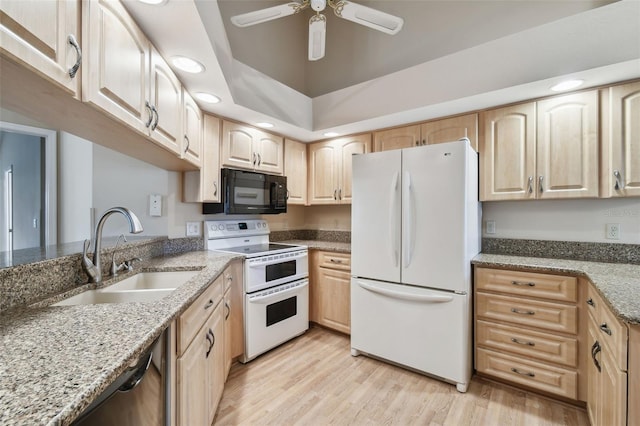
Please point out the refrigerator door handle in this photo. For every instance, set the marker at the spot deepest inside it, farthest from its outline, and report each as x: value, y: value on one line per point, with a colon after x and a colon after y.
x: 429, y: 298
x: 407, y: 220
x: 393, y: 232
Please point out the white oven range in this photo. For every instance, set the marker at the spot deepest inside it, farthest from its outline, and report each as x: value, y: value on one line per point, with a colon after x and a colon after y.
x: 276, y: 283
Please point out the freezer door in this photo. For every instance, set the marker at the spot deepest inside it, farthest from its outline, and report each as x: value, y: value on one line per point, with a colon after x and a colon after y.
x: 423, y: 329
x: 375, y: 216
x: 438, y: 199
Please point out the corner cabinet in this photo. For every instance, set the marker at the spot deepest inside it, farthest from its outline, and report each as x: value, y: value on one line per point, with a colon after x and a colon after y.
x: 251, y: 149
x: 295, y: 169
x: 330, y: 168
x: 203, y: 186
x: 541, y: 150
x: 330, y: 290
x: 620, y: 176
x: 45, y: 37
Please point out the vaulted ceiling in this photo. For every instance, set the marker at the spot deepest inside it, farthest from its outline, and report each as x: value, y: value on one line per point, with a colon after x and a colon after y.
x: 451, y: 56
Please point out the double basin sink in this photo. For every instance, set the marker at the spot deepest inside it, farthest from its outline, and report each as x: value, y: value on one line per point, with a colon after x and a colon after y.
x: 142, y: 287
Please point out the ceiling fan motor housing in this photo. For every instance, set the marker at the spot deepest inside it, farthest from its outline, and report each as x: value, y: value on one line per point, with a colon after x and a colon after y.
x: 318, y: 5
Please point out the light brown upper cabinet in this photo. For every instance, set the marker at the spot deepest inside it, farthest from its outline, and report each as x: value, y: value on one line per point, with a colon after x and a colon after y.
x: 620, y: 175
x: 191, y: 130
x: 295, y: 169
x: 330, y: 168
x: 431, y: 132
x: 247, y: 148
x: 547, y: 149
x: 165, y: 102
x: 204, y: 185
x: 45, y: 37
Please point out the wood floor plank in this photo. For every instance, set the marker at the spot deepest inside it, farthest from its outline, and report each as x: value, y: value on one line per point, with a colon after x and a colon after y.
x: 313, y: 380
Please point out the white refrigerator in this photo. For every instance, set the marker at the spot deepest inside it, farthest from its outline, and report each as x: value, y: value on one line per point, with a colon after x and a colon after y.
x: 415, y: 228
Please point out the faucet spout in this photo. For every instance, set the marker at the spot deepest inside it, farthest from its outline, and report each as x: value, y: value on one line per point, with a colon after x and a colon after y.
x: 135, y: 227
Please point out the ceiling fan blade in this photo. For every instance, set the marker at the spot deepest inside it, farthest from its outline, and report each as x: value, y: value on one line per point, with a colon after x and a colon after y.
x: 317, y: 33
x: 369, y: 17
x: 268, y: 14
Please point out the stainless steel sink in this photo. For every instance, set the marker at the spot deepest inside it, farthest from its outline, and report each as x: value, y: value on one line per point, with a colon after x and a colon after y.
x: 153, y: 280
x: 91, y: 297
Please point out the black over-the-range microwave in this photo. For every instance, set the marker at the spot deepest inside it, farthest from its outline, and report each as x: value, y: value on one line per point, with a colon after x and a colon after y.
x: 246, y: 192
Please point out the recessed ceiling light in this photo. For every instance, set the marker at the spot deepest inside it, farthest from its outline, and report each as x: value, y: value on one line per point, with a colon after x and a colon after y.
x: 331, y: 134
x: 567, y: 85
x: 187, y: 64
x: 153, y: 2
x: 264, y: 125
x: 207, y: 97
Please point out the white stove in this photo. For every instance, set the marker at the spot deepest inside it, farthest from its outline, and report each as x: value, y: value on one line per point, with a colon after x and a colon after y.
x: 276, y: 284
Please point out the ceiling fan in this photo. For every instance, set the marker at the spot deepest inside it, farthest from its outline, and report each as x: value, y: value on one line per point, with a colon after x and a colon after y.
x: 354, y: 12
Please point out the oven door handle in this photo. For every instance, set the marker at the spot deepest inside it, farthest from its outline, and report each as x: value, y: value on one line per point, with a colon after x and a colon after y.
x: 274, y: 297
x: 256, y: 265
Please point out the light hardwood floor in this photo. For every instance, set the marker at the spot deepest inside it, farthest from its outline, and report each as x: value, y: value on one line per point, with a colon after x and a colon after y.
x: 314, y: 380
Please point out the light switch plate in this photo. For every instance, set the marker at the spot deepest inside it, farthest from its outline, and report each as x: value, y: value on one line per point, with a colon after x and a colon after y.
x: 193, y: 229
x: 491, y: 227
x: 155, y: 205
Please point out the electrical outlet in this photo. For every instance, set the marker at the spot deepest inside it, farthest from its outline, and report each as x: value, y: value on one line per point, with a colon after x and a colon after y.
x: 193, y: 229
x: 613, y: 231
x: 491, y: 227
x: 155, y: 205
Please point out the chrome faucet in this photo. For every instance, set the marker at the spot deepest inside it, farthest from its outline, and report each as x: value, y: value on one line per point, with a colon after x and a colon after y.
x: 94, y: 269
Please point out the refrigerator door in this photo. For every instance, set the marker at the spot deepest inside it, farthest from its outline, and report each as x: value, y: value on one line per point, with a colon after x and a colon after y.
x: 419, y: 328
x: 375, y: 216
x: 438, y: 190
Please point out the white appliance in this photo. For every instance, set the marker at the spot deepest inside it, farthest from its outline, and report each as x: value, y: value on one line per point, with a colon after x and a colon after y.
x: 415, y: 229
x: 276, y: 284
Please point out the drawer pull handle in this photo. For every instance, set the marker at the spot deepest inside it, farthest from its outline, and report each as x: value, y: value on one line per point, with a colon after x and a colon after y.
x: 209, y: 304
x: 590, y: 302
x: 523, y: 283
x: 523, y: 373
x: 604, y: 327
x: 594, y: 351
x: 514, y: 340
x: 335, y: 260
x: 518, y: 311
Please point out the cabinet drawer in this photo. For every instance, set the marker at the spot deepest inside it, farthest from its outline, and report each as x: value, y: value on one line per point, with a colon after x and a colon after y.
x: 521, y: 341
x: 611, y: 331
x: 530, y: 284
x: 334, y: 260
x: 192, y: 319
x: 533, y: 374
x: 534, y: 313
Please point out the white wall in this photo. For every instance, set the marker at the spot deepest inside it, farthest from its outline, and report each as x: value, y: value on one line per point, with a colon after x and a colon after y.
x: 567, y: 220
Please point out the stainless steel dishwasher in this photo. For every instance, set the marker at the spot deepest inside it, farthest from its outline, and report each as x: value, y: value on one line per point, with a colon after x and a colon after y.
x: 140, y: 396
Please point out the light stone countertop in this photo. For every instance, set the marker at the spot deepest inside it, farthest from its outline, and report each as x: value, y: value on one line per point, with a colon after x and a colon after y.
x: 56, y: 360
x: 321, y: 245
x: 618, y: 283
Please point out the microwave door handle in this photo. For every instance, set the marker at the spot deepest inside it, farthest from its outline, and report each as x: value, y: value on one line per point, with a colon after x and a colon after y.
x: 247, y: 195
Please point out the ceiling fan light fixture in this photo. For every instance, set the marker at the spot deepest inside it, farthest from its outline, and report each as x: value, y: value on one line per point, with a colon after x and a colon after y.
x: 369, y: 17
x: 268, y: 14
x: 317, y: 33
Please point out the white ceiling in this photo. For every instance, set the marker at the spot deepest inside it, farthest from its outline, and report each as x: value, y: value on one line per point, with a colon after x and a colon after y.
x: 450, y: 57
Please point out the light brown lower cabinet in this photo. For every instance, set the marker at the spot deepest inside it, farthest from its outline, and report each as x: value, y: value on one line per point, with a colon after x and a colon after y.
x: 330, y: 290
x: 233, y: 318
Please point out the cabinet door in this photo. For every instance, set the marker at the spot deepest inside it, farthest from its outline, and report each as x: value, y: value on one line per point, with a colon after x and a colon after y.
x: 37, y: 34
x: 567, y: 146
x: 214, y: 373
x: 335, y: 299
x: 165, y: 98
x: 192, y: 381
x: 401, y: 137
x: 593, y: 374
x: 192, y: 130
x: 115, y: 77
x: 270, y: 152
x: 202, y: 186
x: 507, y: 147
x: 228, y: 307
x: 237, y: 146
x: 295, y: 169
x: 323, y: 173
x: 620, y: 175
x: 351, y: 146
x: 451, y: 129
x: 236, y: 315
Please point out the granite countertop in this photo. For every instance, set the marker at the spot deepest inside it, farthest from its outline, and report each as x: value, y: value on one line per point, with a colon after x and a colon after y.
x: 55, y: 360
x: 618, y: 283
x: 321, y: 245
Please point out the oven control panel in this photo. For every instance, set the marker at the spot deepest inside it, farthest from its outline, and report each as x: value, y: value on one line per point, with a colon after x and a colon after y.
x: 235, y: 228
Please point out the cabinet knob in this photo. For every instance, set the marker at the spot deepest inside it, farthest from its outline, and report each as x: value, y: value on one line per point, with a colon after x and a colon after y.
x: 590, y: 302
x: 605, y: 328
